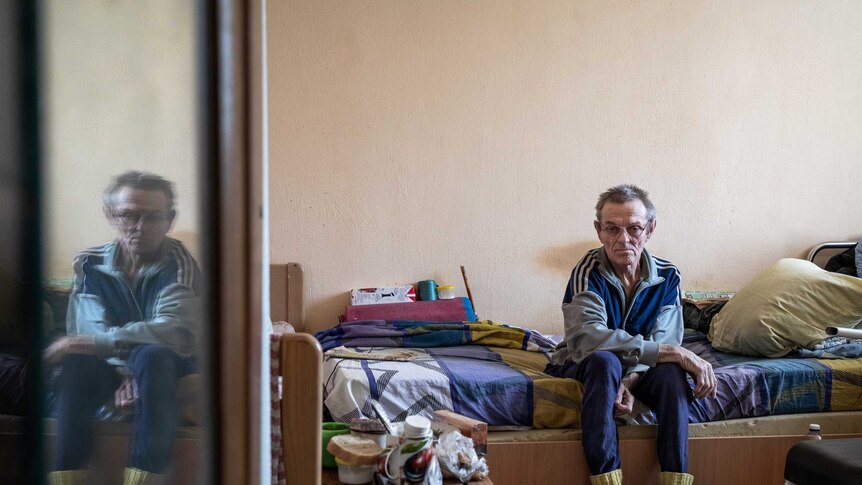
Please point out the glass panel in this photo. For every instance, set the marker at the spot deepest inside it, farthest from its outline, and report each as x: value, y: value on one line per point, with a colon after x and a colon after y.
x: 121, y: 197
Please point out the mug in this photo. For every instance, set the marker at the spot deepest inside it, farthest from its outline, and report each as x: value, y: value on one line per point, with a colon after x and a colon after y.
x: 427, y: 290
x: 413, y: 457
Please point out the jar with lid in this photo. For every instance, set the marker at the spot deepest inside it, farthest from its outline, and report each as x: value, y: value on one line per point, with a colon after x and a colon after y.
x: 813, y: 432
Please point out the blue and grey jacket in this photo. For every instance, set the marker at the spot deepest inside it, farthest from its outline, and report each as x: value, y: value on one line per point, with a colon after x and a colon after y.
x: 598, y: 317
x: 161, y: 306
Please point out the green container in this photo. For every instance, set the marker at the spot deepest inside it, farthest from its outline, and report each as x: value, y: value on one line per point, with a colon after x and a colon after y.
x: 330, y: 430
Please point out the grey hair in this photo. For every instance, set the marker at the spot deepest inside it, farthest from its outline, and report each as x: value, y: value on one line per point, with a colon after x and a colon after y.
x: 623, y: 193
x: 141, y: 181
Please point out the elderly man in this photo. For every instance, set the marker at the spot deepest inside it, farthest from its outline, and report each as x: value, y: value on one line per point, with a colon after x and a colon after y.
x: 623, y: 330
x: 133, y: 312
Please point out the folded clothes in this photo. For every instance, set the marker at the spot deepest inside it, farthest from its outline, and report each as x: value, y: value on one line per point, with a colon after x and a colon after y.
x: 454, y: 310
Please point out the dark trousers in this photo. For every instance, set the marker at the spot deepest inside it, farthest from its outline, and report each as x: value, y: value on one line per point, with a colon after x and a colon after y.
x: 86, y: 383
x: 13, y: 371
x: 664, y: 388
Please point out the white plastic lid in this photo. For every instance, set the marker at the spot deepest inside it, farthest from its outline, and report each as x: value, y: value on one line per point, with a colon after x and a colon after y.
x: 813, y: 427
x: 417, y: 427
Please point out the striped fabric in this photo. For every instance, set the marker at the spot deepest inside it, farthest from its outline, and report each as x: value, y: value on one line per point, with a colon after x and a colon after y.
x: 750, y: 386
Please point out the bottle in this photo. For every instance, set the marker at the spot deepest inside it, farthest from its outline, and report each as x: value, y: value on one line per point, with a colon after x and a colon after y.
x: 417, y: 451
x: 813, y: 432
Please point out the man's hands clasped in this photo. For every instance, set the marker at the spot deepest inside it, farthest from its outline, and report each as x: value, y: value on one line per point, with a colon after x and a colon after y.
x: 624, y: 404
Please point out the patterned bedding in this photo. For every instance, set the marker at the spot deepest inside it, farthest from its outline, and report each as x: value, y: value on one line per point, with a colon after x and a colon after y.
x: 482, y: 370
x: 750, y: 386
x: 493, y: 372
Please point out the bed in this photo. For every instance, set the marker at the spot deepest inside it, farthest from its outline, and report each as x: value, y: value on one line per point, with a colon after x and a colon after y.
x: 412, y: 368
x: 764, y: 406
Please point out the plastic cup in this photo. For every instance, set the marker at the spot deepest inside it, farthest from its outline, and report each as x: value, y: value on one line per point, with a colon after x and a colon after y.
x: 329, y: 430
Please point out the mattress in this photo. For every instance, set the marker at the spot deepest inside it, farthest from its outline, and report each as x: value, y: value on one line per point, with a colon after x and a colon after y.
x: 470, y: 368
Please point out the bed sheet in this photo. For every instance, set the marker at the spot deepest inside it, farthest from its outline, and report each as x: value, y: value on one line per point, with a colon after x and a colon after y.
x: 750, y: 386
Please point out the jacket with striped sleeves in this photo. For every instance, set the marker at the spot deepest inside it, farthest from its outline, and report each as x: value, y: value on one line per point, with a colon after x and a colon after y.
x: 161, y: 306
x: 598, y: 317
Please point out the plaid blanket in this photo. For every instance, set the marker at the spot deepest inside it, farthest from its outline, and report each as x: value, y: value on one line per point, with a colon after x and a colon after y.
x: 395, y: 333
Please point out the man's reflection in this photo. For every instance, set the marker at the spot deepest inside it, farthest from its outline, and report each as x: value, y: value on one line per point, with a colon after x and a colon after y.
x: 132, y: 324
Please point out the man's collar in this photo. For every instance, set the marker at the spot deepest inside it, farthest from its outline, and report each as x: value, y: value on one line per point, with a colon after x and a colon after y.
x: 648, y: 268
x: 113, y: 263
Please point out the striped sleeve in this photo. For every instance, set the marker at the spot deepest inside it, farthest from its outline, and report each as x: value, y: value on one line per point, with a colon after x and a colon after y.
x: 666, y: 269
x: 188, y: 273
x: 579, y: 280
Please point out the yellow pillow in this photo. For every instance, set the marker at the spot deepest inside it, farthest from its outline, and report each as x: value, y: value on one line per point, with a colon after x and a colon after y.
x: 785, y: 308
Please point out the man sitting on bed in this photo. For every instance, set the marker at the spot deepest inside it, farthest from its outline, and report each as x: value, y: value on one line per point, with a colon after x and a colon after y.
x: 623, y: 331
x: 134, y: 299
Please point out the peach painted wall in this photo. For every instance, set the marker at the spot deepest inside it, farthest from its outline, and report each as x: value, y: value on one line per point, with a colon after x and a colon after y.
x: 118, y: 94
x: 409, y: 137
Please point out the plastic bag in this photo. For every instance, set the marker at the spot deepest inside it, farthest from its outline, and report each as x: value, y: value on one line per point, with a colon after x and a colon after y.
x: 458, y: 458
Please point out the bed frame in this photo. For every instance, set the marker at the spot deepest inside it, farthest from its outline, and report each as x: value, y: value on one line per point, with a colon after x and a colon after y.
x: 821, y: 253
x: 300, y: 359
x: 753, y: 453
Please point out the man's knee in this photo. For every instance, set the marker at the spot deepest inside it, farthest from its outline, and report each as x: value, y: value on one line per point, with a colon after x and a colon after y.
x: 77, y: 368
x: 153, y: 360
x: 669, y: 379
x: 603, y: 361
x: 601, y: 369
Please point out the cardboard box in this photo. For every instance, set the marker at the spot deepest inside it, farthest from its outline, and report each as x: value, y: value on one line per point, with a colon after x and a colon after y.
x: 384, y: 294
x: 472, y: 428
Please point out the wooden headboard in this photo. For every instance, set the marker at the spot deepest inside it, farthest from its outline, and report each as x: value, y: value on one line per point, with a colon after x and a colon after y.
x: 286, y: 302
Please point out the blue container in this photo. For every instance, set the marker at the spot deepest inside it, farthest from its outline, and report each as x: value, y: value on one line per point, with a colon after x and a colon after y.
x: 427, y: 290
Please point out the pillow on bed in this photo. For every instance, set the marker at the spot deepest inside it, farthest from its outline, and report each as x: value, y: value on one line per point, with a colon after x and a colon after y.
x: 785, y: 308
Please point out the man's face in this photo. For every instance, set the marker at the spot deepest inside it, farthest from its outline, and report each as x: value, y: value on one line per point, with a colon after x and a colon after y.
x: 624, y: 230
x: 142, y: 219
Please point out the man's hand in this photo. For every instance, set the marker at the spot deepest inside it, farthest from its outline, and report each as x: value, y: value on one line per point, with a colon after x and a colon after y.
x: 76, y: 344
x: 126, y: 395
x: 625, y: 399
x: 699, y: 369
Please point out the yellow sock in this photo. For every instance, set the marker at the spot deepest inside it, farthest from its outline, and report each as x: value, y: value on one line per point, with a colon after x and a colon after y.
x: 610, y: 478
x: 68, y: 477
x: 133, y: 476
x: 672, y: 478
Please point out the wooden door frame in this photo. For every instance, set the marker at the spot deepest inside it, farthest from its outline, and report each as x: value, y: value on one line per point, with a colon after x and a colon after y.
x: 232, y: 116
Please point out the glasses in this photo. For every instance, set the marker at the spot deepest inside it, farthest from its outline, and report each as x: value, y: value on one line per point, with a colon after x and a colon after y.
x: 131, y: 219
x: 612, y: 230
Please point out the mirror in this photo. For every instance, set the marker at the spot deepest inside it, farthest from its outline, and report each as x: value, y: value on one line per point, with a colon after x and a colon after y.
x: 123, y: 284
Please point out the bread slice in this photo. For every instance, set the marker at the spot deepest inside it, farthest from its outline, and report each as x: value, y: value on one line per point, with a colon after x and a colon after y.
x: 354, y: 450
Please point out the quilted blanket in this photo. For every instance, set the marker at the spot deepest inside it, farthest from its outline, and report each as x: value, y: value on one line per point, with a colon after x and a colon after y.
x: 396, y: 333
x: 483, y: 370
